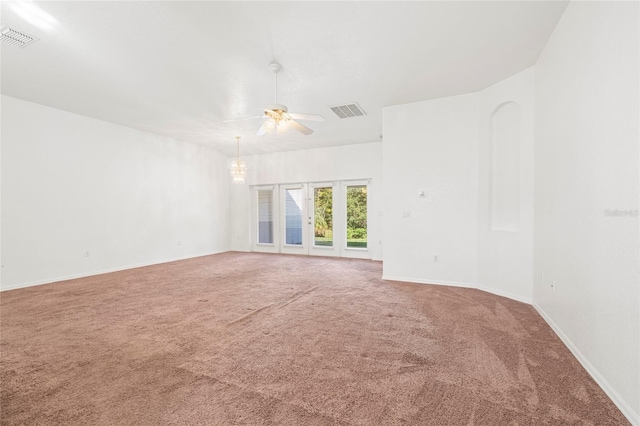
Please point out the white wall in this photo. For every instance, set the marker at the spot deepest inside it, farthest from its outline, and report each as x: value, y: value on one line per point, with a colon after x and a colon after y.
x: 431, y: 146
x: 505, y: 256
x: 587, y: 162
x: 361, y: 161
x: 72, y: 185
x: 445, y: 147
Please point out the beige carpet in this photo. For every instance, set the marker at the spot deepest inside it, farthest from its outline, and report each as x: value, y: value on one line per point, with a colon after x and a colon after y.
x: 245, y: 338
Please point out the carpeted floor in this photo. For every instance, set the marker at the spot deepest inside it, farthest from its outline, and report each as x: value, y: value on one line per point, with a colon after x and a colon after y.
x: 246, y: 338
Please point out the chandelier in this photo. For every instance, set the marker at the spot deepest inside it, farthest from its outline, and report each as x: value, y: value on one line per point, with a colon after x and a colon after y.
x: 238, y: 167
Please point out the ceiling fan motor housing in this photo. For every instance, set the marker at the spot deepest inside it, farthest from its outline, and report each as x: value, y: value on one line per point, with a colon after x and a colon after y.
x: 277, y: 108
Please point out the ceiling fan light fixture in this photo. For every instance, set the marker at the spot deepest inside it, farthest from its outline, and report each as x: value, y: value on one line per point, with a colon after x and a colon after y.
x: 277, y: 113
x: 283, y: 125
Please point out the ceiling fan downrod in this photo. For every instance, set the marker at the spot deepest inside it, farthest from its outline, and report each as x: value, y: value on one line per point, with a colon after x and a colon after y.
x: 275, y: 68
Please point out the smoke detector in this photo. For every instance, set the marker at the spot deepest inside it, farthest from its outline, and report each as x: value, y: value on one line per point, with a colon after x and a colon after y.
x: 15, y: 38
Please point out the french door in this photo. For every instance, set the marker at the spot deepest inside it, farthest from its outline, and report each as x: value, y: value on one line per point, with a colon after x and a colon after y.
x: 321, y: 218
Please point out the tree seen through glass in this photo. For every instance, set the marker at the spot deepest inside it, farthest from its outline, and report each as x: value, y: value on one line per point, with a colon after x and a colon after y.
x: 357, y: 216
x: 323, y: 214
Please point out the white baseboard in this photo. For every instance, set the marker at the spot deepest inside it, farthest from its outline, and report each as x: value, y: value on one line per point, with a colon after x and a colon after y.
x: 434, y: 282
x: 460, y: 284
x: 506, y: 294
x: 99, y: 272
x: 622, y: 405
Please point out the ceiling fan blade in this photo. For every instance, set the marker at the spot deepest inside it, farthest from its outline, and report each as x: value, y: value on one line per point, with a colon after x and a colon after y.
x: 262, y: 130
x: 244, y: 118
x: 299, y: 127
x: 308, y: 117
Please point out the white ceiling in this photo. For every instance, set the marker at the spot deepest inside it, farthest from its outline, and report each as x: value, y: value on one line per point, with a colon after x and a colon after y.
x: 180, y: 68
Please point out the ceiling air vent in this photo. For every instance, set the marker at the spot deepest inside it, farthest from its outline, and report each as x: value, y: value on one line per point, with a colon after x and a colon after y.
x: 15, y: 38
x: 349, y: 110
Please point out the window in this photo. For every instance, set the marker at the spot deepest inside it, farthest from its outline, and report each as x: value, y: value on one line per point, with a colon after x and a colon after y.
x: 265, y: 216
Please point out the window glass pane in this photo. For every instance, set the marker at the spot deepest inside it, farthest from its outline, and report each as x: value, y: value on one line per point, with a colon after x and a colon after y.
x: 293, y: 216
x: 357, y: 216
x: 323, y: 216
x: 265, y: 216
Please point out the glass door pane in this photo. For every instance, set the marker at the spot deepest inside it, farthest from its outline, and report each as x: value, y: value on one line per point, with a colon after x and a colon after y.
x: 357, y: 216
x: 323, y: 217
x: 265, y: 216
x: 293, y: 216
x: 265, y: 211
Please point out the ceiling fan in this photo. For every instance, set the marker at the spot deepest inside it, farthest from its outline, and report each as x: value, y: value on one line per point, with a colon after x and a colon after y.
x: 280, y: 119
